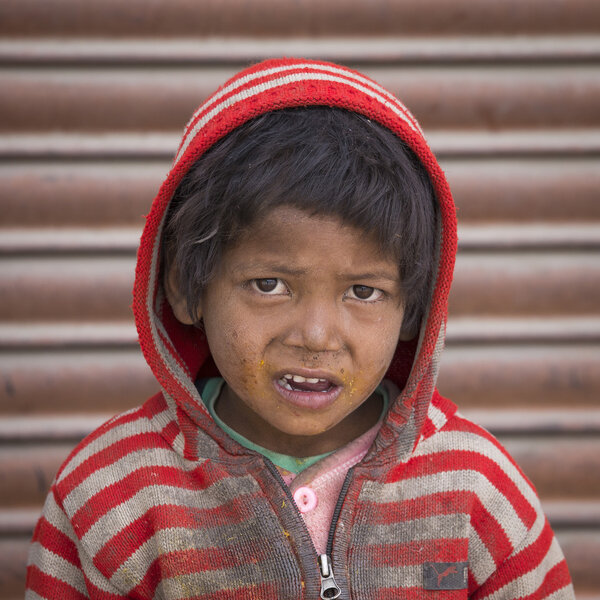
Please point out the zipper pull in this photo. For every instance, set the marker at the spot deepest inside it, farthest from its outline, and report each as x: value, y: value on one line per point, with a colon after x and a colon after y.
x: 329, y: 588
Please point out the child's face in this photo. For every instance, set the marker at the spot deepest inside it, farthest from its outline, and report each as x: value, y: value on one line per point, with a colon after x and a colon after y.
x: 302, y: 319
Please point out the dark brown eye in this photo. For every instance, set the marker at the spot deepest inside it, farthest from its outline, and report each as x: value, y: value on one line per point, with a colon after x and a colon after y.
x: 266, y: 285
x: 363, y: 292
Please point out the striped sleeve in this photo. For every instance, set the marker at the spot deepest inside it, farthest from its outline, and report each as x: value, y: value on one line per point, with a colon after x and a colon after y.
x: 535, y: 571
x: 54, y: 566
x: 530, y: 565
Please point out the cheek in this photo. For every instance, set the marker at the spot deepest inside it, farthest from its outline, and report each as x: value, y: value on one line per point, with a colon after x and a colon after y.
x: 237, y: 354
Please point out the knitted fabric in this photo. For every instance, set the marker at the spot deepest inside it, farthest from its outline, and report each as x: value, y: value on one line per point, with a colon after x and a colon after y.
x: 160, y: 502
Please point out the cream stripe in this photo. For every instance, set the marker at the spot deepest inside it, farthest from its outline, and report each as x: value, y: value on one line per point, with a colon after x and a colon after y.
x: 140, y: 425
x: 492, y: 498
x: 465, y: 441
x: 96, y: 578
x: 193, y: 585
x: 242, y: 81
x: 389, y: 577
x: 425, y: 528
x: 530, y: 582
x: 273, y: 83
x: 438, y: 418
x: 481, y: 562
x: 50, y: 563
x: 118, y: 470
x: 56, y: 517
x: 176, y: 539
x: 218, y: 494
x: 565, y: 593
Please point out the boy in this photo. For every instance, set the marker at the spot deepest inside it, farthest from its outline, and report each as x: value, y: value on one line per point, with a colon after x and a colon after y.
x: 290, y: 298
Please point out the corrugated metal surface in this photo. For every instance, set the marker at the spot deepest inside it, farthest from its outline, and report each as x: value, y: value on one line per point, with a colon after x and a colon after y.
x: 92, y: 98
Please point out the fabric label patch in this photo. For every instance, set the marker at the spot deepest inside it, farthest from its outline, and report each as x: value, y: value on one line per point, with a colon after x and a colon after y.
x: 445, y: 575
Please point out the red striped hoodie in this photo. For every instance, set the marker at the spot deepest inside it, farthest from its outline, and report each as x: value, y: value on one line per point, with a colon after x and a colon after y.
x: 160, y: 503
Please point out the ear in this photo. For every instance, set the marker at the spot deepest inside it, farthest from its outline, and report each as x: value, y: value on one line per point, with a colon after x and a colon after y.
x: 176, y: 298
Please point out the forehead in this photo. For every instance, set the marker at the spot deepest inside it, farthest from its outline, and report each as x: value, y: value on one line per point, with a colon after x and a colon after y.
x: 289, y: 236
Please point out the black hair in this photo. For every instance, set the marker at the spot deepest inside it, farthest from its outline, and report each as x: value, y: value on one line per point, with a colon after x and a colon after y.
x: 322, y: 160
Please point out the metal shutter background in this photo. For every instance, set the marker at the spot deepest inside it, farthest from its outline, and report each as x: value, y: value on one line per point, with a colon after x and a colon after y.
x: 92, y: 99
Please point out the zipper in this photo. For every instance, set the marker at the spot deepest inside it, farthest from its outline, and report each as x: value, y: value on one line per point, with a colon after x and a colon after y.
x: 329, y: 587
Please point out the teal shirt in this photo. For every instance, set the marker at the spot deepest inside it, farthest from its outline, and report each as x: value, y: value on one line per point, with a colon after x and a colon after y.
x: 210, y: 394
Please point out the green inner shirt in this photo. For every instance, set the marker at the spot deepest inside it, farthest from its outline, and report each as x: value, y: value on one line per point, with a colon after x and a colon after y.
x: 210, y: 394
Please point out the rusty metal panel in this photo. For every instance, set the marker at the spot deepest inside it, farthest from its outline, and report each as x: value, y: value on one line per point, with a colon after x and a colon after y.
x: 107, y: 379
x: 526, y: 190
x: 92, y: 99
x: 303, y: 17
x: 486, y: 283
x: 530, y: 96
x: 118, y: 193
x: 102, y: 194
x: 516, y: 376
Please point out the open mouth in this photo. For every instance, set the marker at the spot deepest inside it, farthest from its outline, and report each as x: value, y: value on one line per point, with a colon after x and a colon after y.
x: 298, y: 383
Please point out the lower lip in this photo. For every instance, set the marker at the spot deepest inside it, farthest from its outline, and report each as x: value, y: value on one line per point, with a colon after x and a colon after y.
x: 309, y: 400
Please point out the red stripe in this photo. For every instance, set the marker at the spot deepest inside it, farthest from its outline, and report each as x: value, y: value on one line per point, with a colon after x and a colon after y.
x: 108, y: 456
x: 50, y: 587
x: 413, y: 553
x: 119, y: 548
x: 127, y: 487
x: 56, y: 541
x: 456, y: 461
x: 352, y: 77
x: 414, y: 593
x: 193, y: 561
x: 98, y: 594
x: 528, y: 559
x: 100, y: 431
x: 462, y: 424
x: 487, y: 527
x: 155, y: 405
x: 556, y: 579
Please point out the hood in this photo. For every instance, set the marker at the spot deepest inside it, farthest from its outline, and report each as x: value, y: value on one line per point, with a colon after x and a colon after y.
x: 178, y: 354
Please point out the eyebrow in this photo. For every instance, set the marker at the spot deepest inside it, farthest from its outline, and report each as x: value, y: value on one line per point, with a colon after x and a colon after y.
x: 286, y: 270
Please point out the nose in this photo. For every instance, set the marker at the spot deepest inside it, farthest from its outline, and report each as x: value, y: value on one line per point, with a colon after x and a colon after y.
x: 316, y: 326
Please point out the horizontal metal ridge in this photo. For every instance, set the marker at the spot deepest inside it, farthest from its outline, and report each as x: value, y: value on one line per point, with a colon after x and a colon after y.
x: 67, y: 335
x: 73, y: 427
x: 114, y: 193
x: 473, y: 331
x: 446, y: 143
x: 525, y: 330
x: 70, y: 240
x: 356, y: 50
x: 498, y: 236
x: 76, y: 146
x: 519, y: 421
x: 487, y: 97
x: 49, y: 428
x: 487, y: 283
x: 506, y: 236
x: 310, y: 17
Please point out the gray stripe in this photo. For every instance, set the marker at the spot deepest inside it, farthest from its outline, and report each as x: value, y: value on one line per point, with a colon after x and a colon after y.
x: 386, y: 577
x: 452, y: 481
x: 58, y: 567
x: 219, y: 494
x: 428, y: 528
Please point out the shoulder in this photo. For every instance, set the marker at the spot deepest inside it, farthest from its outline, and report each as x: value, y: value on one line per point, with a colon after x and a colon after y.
x: 103, y: 462
x: 505, y: 514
